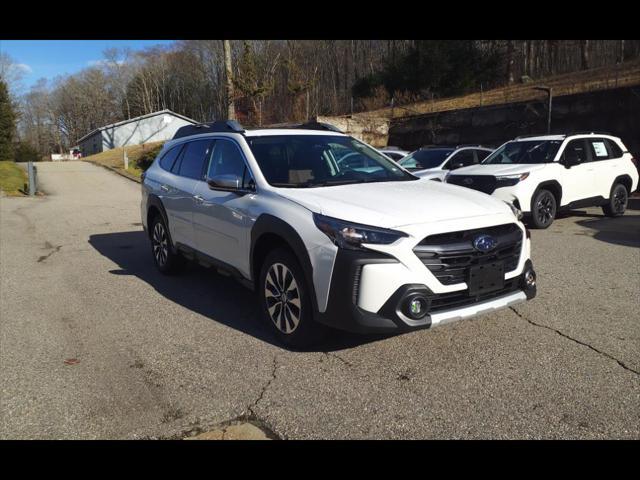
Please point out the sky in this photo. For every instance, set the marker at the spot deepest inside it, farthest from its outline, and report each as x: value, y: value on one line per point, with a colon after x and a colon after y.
x: 49, y: 58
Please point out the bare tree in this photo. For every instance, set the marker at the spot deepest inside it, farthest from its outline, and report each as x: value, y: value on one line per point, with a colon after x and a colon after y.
x: 231, y: 113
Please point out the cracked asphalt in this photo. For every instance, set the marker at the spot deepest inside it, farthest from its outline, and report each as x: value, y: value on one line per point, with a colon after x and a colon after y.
x: 94, y: 343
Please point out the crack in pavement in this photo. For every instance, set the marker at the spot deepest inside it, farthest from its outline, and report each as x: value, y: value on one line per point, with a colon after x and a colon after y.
x: 265, y: 388
x: 604, y: 354
x: 335, y: 355
x: 44, y: 257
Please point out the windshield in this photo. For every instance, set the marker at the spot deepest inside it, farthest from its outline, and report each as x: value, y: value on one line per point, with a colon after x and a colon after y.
x: 530, y: 151
x: 320, y: 160
x: 423, y: 159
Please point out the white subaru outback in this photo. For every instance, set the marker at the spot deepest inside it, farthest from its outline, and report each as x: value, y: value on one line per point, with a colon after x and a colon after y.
x: 541, y: 175
x: 367, y: 249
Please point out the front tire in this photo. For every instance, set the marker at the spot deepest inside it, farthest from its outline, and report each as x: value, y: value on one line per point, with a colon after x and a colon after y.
x: 543, y: 209
x: 165, y: 259
x: 618, y: 200
x: 286, y: 300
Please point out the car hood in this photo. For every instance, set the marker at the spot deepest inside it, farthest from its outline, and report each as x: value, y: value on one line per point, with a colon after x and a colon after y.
x: 395, y: 204
x: 428, y: 173
x: 512, y: 169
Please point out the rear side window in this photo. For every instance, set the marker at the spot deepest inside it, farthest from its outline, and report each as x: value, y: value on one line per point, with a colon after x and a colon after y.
x: 464, y: 158
x: 169, y: 158
x: 193, y: 159
x: 600, y: 149
x: 614, y: 150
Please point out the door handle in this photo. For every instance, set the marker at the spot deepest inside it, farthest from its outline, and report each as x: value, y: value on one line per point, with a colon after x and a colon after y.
x: 198, y: 199
x: 164, y: 188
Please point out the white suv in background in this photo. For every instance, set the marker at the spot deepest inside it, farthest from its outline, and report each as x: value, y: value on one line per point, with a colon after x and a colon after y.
x: 543, y: 174
x: 436, y: 162
x: 357, y: 245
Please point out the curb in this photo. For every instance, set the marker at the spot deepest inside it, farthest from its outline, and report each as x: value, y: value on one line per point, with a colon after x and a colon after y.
x: 122, y: 173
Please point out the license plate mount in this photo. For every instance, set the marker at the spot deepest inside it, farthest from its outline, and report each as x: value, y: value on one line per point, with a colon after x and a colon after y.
x: 485, y: 278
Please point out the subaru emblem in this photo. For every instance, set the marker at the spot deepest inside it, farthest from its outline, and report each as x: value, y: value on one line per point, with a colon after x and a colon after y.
x: 484, y: 243
x: 468, y: 181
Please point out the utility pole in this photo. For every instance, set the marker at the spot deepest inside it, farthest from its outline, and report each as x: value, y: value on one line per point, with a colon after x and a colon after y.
x: 231, y: 111
x: 549, y: 91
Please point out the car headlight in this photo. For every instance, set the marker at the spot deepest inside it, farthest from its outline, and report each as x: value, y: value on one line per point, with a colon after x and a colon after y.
x: 510, y: 180
x: 516, y: 211
x: 352, y: 235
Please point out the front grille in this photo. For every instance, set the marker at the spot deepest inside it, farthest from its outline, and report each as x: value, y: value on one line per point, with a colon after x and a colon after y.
x: 447, y: 301
x: 482, y: 183
x: 450, y: 255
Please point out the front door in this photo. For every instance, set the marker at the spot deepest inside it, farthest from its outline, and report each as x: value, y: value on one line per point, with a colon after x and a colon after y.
x: 221, y: 220
x: 579, y: 180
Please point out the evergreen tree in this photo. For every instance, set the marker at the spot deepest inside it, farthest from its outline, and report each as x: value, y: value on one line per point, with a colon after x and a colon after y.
x: 7, y: 123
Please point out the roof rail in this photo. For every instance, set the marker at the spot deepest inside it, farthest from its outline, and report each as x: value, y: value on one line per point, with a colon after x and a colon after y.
x: 469, y: 145
x: 536, y: 135
x: 590, y: 133
x: 211, y: 127
x: 320, y: 126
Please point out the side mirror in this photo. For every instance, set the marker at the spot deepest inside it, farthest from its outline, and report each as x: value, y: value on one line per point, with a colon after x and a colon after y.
x: 456, y: 165
x: 229, y: 183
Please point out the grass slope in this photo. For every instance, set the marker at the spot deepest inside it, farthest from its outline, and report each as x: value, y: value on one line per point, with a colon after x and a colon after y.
x: 114, y: 158
x: 12, y: 178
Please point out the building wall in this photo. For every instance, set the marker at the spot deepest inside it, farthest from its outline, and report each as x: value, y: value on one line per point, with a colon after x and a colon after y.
x: 369, y: 129
x: 91, y: 145
x: 151, y: 129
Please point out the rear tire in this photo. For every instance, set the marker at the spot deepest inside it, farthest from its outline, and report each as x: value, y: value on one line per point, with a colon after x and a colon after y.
x: 167, y: 262
x: 543, y: 209
x: 286, y: 301
x: 618, y: 200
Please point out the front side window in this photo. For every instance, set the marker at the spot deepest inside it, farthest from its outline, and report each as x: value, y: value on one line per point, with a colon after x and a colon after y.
x: 226, y: 159
x: 193, y: 159
x: 576, y: 151
x: 526, y: 151
x: 427, y: 158
x: 321, y: 160
x: 482, y: 154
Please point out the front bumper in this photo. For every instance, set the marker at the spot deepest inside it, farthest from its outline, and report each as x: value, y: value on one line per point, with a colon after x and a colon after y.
x: 344, y: 313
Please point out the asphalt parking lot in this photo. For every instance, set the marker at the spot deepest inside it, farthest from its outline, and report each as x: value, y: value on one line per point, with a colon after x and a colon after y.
x: 96, y: 344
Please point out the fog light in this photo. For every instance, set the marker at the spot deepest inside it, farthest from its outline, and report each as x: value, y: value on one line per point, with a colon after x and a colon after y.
x: 530, y: 278
x: 416, y: 306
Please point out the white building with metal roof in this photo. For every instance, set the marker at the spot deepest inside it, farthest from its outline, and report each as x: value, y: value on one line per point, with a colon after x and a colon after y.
x: 153, y: 127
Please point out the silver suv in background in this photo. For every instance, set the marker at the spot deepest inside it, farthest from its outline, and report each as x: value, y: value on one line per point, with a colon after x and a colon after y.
x: 394, y: 153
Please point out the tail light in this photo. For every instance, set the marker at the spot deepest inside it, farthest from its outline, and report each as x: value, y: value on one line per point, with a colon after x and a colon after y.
x: 635, y: 162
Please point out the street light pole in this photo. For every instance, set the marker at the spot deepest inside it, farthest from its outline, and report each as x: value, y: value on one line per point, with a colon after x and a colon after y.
x: 549, y: 91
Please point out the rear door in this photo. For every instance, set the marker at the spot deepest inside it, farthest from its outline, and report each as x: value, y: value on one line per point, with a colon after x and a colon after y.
x: 606, y: 161
x: 189, y: 170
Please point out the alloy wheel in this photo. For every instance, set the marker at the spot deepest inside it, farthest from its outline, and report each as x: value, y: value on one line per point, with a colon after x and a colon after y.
x: 283, y: 298
x: 160, y: 244
x: 620, y: 200
x: 545, y: 209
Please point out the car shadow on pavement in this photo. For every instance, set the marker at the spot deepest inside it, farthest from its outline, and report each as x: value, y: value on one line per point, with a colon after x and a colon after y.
x: 203, y: 290
x: 623, y: 230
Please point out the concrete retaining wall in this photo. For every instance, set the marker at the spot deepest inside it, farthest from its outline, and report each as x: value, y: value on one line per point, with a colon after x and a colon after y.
x: 616, y: 111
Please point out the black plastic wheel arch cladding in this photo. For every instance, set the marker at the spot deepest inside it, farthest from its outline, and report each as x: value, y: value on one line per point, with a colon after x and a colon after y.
x: 268, y: 224
x: 154, y: 202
